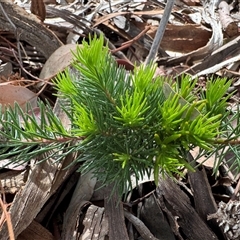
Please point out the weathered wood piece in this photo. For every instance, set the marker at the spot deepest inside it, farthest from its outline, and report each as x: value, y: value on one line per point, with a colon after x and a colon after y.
x: 96, y: 225
x: 177, y: 202
x: 27, y: 27
x: 227, y: 51
x: 115, y: 215
x: 35, y: 231
x: 229, y: 25
x: 12, y: 181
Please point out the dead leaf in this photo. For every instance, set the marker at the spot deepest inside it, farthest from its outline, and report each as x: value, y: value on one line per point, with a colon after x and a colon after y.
x: 183, y: 39
x: 9, y: 95
x: 58, y: 61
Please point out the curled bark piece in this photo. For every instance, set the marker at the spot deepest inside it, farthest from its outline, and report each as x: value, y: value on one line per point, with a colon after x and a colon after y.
x: 179, y: 205
x: 27, y: 27
x: 229, y: 26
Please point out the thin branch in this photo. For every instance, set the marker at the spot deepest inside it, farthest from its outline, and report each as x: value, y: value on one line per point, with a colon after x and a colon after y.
x: 160, y: 32
x: 130, y: 42
x: 16, y: 30
x: 225, y: 141
x: 137, y: 201
x: 4, y: 207
x: 8, y: 220
x: 46, y: 141
x: 34, y: 77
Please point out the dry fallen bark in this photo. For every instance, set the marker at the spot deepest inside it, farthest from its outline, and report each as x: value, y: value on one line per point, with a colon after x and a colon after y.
x: 38, y: 8
x: 96, y: 225
x: 227, y: 51
x: 28, y: 202
x: 27, y: 27
x: 184, y: 215
x: 35, y: 231
x: 115, y: 215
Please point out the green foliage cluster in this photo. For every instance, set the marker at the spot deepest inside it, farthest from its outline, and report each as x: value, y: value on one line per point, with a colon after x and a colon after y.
x: 123, y: 123
x: 134, y: 122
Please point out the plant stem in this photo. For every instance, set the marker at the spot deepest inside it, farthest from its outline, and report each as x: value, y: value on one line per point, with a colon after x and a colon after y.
x: 225, y: 141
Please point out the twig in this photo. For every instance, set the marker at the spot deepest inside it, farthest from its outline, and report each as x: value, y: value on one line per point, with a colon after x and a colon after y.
x: 226, y: 141
x: 110, y: 6
x: 6, y: 213
x: 119, y: 54
x: 131, y: 204
x: 8, y: 220
x: 46, y: 81
x: 28, y: 73
x: 130, y: 42
x: 140, y: 226
x: 160, y: 32
x: 8, y: 42
x: 16, y: 30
